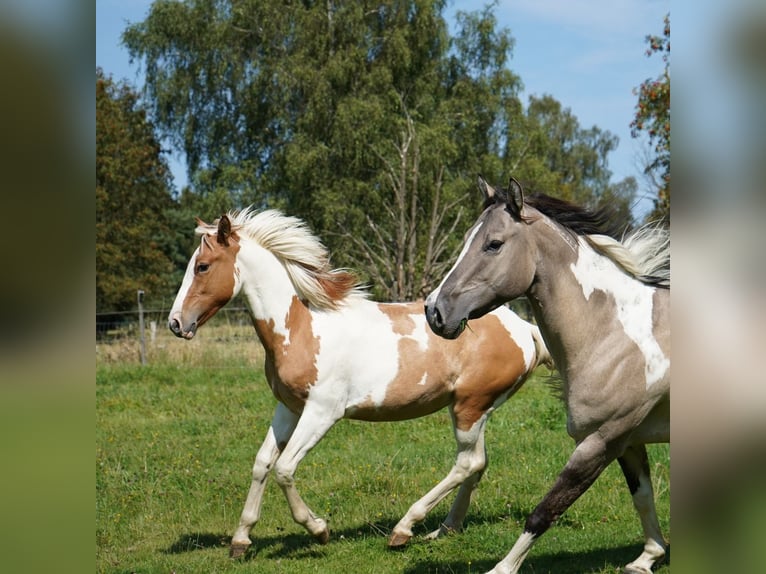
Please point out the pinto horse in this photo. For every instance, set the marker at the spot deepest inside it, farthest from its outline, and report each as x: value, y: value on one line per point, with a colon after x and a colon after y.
x: 331, y: 353
x: 603, y: 307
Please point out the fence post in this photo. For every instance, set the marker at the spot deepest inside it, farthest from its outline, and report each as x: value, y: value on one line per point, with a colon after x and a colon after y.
x: 141, y: 325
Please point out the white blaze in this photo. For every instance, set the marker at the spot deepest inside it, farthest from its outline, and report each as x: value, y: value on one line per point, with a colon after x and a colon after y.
x: 435, y: 293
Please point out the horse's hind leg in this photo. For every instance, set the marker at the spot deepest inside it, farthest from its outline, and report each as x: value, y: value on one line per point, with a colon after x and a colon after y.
x: 635, y: 466
x: 282, y: 426
x: 470, y: 463
x: 459, y: 509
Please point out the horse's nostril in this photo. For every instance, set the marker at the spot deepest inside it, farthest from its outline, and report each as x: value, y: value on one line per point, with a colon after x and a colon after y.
x: 433, y: 316
x: 175, y: 326
x: 438, y: 317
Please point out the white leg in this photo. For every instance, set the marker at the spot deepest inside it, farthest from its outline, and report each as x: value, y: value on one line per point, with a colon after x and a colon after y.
x: 512, y: 562
x: 635, y: 467
x: 312, y: 426
x: 282, y: 426
x: 471, y: 460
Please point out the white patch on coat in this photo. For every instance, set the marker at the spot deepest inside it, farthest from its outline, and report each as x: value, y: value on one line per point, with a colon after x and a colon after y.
x: 361, y: 351
x: 519, y: 331
x: 633, y: 301
x: 420, y: 332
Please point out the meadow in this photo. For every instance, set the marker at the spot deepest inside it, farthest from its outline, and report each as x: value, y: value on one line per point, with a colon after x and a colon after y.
x: 176, y: 439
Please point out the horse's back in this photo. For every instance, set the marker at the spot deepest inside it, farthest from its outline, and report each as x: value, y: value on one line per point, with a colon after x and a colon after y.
x: 394, y: 367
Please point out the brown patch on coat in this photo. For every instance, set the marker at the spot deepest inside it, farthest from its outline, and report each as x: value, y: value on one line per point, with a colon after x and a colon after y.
x: 290, y: 366
x: 494, y: 365
x: 472, y: 371
x: 401, y: 316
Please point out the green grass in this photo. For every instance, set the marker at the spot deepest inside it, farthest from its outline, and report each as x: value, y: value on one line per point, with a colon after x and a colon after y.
x: 175, y: 444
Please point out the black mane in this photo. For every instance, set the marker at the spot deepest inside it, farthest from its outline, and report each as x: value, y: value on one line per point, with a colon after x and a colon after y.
x: 580, y: 220
x: 577, y: 219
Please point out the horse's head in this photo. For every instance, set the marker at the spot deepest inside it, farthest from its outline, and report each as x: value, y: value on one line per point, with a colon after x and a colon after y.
x: 211, y: 279
x: 497, y: 264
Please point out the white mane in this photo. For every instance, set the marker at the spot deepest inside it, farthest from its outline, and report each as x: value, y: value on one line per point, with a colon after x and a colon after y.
x: 644, y: 253
x: 304, y: 256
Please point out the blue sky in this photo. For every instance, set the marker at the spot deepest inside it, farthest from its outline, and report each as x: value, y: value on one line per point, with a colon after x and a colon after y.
x: 588, y: 54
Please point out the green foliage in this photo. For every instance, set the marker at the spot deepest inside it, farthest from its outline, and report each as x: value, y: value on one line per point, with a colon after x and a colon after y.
x: 555, y: 153
x: 135, y: 244
x: 175, y: 445
x: 653, y: 118
x: 367, y: 119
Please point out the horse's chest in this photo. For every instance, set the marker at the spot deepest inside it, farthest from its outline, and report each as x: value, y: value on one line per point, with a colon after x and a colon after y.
x: 289, y: 382
x: 606, y: 396
x: 291, y: 356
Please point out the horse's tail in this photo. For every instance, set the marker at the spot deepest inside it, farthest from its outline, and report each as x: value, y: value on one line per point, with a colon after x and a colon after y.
x: 542, y: 356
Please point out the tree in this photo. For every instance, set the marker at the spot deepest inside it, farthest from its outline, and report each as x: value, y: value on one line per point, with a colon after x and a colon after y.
x: 653, y: 118
x: 135, y: 243
x: 553, y: 153
x: 365, y: 118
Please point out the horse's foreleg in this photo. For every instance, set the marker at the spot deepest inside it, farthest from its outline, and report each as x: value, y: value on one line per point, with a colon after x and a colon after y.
x: 470, y: 463
x: 587, y: 462
x: 281, y: 428
x: 635, y: 466
x: 312, y: 426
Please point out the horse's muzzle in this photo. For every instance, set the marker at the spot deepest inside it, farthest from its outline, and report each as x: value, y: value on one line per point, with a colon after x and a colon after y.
x: 437, y: 323
x: 175, y: 326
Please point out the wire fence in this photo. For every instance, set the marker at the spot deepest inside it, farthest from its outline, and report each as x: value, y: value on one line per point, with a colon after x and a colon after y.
x: 228, y: 340
x: 113, y: 325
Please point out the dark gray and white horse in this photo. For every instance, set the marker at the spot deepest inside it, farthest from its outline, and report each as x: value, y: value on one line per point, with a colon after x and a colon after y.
x: 603, y: 306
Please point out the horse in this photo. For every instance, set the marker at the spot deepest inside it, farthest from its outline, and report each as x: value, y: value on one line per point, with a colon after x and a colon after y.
x: 332, y: 353
x: 602, y: 303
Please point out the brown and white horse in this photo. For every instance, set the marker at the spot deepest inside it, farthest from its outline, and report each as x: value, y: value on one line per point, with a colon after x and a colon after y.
x: 603, y: 307
x: 331, y: 353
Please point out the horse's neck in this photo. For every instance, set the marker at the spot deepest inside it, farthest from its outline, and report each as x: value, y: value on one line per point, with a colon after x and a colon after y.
x: 576, y: 297
x: 568, y: 313
x: 265, y: 284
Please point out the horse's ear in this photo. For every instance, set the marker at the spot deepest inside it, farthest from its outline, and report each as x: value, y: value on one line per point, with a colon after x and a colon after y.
x: 515, y: 198
x: 224, y: 230
x: 487, y: 190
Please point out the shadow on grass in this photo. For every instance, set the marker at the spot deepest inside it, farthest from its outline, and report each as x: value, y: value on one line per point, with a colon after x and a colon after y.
x: 613, y: 559
x: 290, y: 545
x: 301, y: 544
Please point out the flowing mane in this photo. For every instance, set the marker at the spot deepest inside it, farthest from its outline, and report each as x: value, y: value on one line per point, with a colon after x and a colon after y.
x: 304, y: 257
x: 644, y: 252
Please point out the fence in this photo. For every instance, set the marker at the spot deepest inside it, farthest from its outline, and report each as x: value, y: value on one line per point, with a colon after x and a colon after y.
x: 142, y: 336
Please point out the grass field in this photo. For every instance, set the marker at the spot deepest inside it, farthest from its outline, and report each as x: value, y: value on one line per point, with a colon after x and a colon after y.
x: 175, y: 441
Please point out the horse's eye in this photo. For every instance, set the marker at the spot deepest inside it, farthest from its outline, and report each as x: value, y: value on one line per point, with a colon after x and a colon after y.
x: 493, y: 246
x: 202, y: 268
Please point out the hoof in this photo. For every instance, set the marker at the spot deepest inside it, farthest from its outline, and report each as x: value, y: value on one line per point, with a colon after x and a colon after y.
x: 441, y: 531
x: 398, y: 540
x: 238, y: 549
x: 323, y: 537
